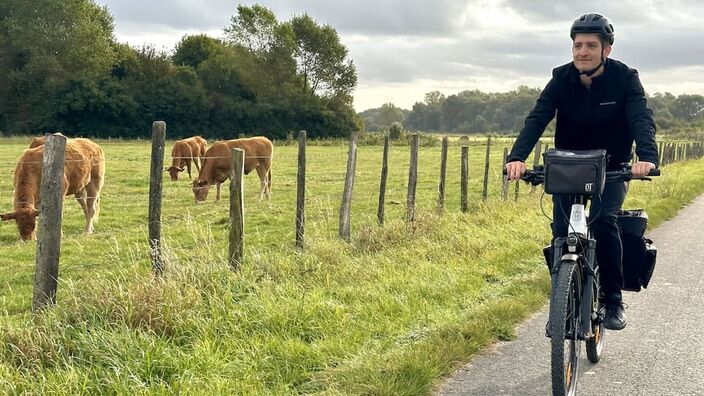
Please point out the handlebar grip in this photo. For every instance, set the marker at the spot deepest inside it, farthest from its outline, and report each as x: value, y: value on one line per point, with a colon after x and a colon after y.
x: 654, y: 172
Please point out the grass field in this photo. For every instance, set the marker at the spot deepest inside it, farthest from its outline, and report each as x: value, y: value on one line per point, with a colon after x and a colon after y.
x: 388, y: 313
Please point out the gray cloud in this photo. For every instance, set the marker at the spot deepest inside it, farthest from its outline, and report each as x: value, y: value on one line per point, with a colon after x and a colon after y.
x: 395, y: 43
x: 175, y: 14
x: 622, y: 12
x: 410, y: 17
x: 398, y: 60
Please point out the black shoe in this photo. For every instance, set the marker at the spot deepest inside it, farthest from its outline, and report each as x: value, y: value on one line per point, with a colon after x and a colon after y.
x: 615, y: 316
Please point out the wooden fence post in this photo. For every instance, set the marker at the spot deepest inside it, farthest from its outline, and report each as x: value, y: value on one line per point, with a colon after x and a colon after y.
x: 536, y: 160
x: 504, y: 189
x: 464, y: 174
x: 346, y: 207
x: 677, y: 152
x: 660, y: 153
x: 382, y: 183
x: 443, y: 172
x: 155, y: 188
x: 237, y: 209
x: 666, y: 153
x: 675, y: 157
x: 46, y: 273
x: 485, y: 190
x: 412, y: 180
x: 301, y: 193
x: 634, y: 158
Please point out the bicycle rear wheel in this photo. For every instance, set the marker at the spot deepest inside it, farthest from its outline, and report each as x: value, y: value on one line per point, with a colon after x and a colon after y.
x: 564, y: 322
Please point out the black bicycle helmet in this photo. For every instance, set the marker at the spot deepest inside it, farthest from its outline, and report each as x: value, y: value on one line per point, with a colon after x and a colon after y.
x: 593, y: 23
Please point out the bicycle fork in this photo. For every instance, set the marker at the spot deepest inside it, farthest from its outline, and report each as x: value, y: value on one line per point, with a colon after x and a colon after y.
x: 576, y: 248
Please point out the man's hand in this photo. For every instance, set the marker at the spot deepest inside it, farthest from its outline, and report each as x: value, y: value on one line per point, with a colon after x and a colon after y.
x: 642, y: 168
x: 516, y: 169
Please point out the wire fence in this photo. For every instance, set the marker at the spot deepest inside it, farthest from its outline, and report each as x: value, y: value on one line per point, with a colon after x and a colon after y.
x: 669, y: 152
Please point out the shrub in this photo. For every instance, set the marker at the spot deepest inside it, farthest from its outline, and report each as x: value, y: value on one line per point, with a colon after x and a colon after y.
x: 395, y: 131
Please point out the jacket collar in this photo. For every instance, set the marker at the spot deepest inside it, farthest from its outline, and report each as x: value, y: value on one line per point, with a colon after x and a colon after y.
x: 574, y: 73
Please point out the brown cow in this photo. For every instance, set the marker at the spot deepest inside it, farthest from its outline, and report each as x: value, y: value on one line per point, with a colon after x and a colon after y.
x: 183, y: 153
x: 36, y: 142
x: 84, y: 170
x: 39, y: 141
x: 217, y: 167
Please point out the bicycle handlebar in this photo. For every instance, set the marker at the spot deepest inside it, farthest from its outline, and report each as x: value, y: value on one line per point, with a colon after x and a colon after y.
x: 537, y: 176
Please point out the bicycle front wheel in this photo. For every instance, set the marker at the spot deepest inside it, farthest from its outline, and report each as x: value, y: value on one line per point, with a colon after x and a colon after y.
x: 564, y: 322
x: 595, y: 344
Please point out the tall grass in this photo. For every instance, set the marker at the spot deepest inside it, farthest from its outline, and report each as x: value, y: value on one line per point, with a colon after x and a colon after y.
x: 388, y: 313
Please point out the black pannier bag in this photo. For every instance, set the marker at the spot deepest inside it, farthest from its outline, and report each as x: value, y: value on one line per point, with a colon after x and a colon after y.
x: 574, y: 171
x: 639, y: 254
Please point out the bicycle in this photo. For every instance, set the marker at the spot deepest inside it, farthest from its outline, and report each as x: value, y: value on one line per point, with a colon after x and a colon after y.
x: 576, y: 315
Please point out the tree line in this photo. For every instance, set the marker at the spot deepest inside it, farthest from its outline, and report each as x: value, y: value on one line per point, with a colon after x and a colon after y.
x: 61, y: 69
x: 474, y: 111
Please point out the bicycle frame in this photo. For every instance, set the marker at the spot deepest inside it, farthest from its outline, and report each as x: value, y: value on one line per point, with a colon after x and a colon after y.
x: 574, y: 275
x: 579, y: 246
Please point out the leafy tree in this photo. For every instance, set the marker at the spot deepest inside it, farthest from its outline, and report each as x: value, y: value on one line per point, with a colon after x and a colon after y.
x: 390, y: 113
x: 45, y: 45
x: 395, y: 131
x: 96, y: 108
x: 688, y: 107
x: 427, y: 115
x: 164, y: 92
x: 255, y: 28
x: 321, y: 60
x: 225, y: 73
x: 193, y: 50
x: 290, y: 72
x: 473, y: 111
x: 434, y: 98
x: 268, y: 45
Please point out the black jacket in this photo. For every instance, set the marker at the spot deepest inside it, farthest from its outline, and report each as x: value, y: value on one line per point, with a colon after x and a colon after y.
x: 609, y: 115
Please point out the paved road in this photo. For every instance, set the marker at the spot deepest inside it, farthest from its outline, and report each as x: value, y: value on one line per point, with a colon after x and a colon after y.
x: 660, y: 352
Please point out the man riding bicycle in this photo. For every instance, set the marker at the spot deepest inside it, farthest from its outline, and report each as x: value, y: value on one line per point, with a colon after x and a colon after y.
x: 600, y: 104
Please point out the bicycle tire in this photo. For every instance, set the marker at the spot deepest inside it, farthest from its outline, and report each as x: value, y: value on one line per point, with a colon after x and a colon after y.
x: 595, y: 344
x: 564, y: 319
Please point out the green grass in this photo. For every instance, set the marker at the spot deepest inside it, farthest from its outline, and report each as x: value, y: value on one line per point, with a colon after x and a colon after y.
x: 389, y: 313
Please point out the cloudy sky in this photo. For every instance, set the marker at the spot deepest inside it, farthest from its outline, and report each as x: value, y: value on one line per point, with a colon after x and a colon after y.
x: 403, y: 49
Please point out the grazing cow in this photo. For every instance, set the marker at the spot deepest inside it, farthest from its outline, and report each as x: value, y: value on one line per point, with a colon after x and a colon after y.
x: 84, y: 170
x: 217, y: 167
x: 36, y: 142
x: 39, y: 141
x: 183, y: 153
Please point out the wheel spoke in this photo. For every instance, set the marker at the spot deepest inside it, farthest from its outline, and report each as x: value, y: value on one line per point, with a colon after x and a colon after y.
x: 564, y: 315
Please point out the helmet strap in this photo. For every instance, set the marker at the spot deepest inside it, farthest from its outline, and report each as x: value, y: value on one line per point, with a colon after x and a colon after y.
x: 589, y: 73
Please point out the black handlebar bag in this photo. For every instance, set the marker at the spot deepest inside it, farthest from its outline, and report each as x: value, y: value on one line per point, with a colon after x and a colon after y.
x: 639, y: 253
x: 575, y: 171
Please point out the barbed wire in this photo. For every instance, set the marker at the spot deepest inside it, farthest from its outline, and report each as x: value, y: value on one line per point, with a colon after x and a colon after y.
x: 245, y: 157
x: 102, y: 197
x: 93, y: 160
x: 138, y: 159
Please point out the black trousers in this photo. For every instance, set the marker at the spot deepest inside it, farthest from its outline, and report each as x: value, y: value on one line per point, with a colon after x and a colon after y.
x: 602, y: 217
